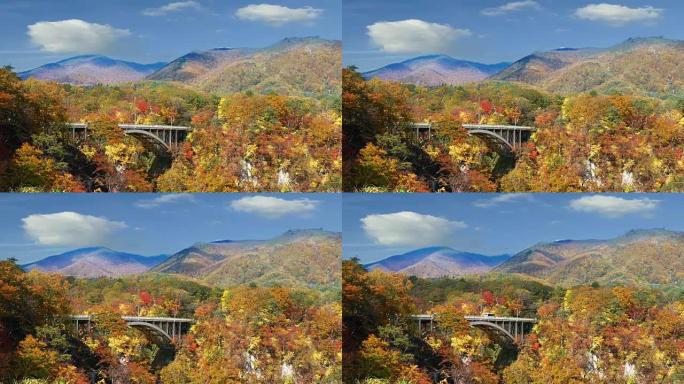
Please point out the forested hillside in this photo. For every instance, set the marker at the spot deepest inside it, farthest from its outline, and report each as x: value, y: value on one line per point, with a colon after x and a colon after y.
x: 241, y: 142
x: 584, y: 142
x: 306, y: 258
x: 584, y: 334
x: 637, y: 66
x: 242, y: 333
x: 307, y: 66
x: 638, y: 258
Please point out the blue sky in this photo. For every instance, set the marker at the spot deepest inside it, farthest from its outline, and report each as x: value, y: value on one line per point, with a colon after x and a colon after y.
x: 491, y: 31
x: 35, y: 226
x: 376, y: 226
x: 153, y: 30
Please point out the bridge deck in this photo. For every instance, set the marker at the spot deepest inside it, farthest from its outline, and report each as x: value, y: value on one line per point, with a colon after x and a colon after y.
x: 497, y: 127
x: 139, y: 127
x: 496, y: 318
x: 481, y: 126
x: 480, y: 318
x: 139, y: 318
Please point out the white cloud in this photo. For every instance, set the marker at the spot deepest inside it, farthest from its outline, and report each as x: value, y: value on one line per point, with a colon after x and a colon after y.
x: 409, y: 229
x: 70, y: 228
x: 171, y: 7
x: 168, y: 198
x: 503, y: 198
x: 612, y: 207
x: 75, y: 36
x: 510, y: 7
x: 277, y: 14
x: 273, y: 207
x: 617, y: 15
x: 414, y: 36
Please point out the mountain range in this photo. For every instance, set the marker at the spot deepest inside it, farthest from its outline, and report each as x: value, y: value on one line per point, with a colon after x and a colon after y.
x: 96, y: 262
x: 307, y: 257
x: 646, y: 66
x: 438, y: 262
x: 307, y: 66
x: 302, y: 257
x: 639, y: 257
x: 91, y: 70
x: 653, y: 257
x: 435, y: 70
x: 651, y: 66
x: 299, y: 66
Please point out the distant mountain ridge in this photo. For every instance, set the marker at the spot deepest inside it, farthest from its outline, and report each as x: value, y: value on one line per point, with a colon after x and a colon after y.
x: 308, y: 257
x: 435, y: 70
x: 649, y: 66
x: 652, y: 257
x: 639, y: 257
x: 96, y: 262
x: 300, y: 257
x: 299, y: 66
x: 296, y: 66
x: 91, y: 70
x: 438, y: 262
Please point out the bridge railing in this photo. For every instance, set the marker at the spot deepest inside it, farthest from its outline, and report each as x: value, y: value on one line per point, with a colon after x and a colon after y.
x: 431, y: 317
x: 137, y: 318
x: 499, y: 127
x: 498, y: 318
x: 138, y: 126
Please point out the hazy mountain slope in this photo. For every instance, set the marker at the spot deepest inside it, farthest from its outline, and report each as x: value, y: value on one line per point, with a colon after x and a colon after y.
x: 307, y: 66
x: 96, y: 262
x: 638, y: 257
x: 649, y: 66
x: 92, y: 69
x: 435, y: 70
x: 437, y: 262
x: 296, y: 258
x: 195, y: 64
x: 538, y: 66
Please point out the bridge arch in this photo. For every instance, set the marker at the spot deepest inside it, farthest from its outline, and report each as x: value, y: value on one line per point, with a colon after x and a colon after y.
x: 495, y: 329
x: 503, y: 139
x: 158, y: 139
x: 151, y: 141
x: 157, y: 335
x: 493, y: 137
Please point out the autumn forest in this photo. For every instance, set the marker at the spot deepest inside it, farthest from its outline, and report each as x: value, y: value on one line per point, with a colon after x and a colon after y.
x: 341, y: 192
x: 586, y: 142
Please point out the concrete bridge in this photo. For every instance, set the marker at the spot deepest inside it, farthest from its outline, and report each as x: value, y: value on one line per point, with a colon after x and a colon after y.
x: 505, y: 138
x: 508, y: 330
x: 165, y: 332
x: 157, y: 138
